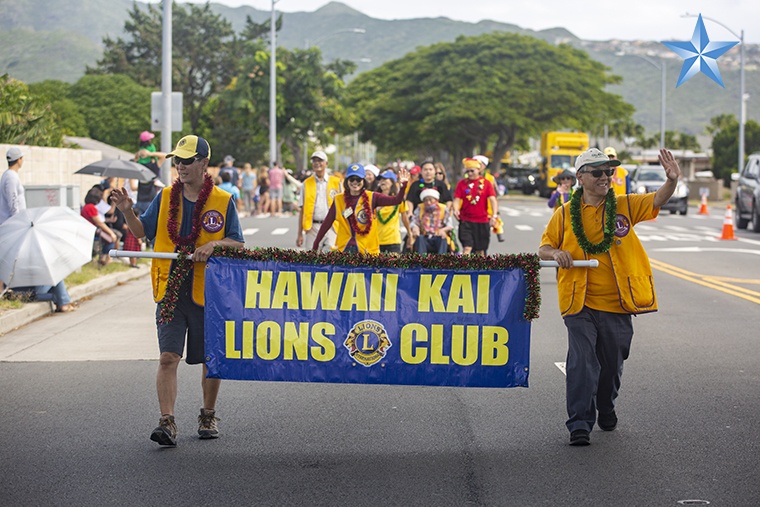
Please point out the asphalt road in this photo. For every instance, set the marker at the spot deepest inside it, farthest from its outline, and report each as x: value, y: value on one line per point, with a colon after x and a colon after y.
x: 78, y: 405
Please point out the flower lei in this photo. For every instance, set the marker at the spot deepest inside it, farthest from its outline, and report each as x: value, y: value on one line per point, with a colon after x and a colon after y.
x: 430, y: 221
x: 352, y: 202
x: 186, y: 244
x: 476, y: 198
x: 385, y: 221
x: 610, y: 210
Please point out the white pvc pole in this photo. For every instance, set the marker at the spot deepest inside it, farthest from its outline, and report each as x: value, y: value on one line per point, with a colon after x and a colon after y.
x: 593, y: 263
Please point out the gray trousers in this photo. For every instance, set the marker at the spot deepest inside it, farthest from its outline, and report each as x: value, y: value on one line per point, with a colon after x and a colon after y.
x: 598, y: 343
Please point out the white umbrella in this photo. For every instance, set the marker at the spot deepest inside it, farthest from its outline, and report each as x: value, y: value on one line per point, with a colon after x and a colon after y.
x: 41, y: 246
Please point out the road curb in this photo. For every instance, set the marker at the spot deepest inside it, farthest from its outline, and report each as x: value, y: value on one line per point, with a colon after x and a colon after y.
x: 14, y: 319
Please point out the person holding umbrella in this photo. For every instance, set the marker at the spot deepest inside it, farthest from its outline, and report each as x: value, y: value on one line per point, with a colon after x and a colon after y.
x: 192, y: 216
x: 12, y: 201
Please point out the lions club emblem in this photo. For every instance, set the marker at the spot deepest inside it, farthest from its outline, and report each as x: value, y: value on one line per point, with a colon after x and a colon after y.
x: 367, y: 342
x: 361, y: 216
x: 212, y: 221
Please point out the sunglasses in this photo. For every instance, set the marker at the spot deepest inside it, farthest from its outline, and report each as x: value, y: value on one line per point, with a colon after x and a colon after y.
x: 468, y: 171
x: 185, y: 161
x: 597, y: 173
x: 354, y: 179
x: 439, y: 174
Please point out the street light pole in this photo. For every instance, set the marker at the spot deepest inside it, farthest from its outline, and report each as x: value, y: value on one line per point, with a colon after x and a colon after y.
x: 742, y: 98
x: 166, y: 90
x: 273, y: 92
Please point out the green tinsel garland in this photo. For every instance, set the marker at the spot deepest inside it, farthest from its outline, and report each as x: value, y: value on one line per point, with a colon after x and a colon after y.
x: 529, y: 263
x: 576, y: 220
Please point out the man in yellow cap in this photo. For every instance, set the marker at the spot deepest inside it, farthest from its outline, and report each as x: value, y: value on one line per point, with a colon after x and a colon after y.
x: 621, y: 183
x: 193, y: 216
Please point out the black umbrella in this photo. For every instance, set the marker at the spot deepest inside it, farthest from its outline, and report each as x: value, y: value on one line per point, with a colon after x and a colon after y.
x: 118, y: 168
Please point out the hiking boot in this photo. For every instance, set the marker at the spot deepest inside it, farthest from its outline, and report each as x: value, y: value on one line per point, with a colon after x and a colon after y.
x: 207, y: 424
x: 166, y: 432
x: 607, y: 422
x: 580, y: 437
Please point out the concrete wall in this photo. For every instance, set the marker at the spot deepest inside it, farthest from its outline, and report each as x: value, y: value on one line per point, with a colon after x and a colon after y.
x: 54, y: 166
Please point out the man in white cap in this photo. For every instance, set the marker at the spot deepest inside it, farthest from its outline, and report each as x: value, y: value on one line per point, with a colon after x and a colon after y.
x: 597, y: 303
x: 431, y: 224
x: 229, y: 167
x: 12, y: 198
x: 315, y: 200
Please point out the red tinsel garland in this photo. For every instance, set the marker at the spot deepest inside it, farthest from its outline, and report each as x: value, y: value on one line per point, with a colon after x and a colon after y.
x: 186, y: 244
x: 367, y: 213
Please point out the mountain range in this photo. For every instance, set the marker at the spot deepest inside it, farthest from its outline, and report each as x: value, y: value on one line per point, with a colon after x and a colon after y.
x: 57, y: 39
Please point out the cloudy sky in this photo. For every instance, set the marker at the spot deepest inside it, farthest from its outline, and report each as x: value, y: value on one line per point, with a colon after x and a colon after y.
x: 588, y: 19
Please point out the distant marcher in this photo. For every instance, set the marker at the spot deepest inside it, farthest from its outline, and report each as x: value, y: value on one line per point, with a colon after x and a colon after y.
x: 387, y: 217
x: 228, y: 167
x: 564, y: 191
x: 427, y: 180
x: 621, y: 181
x: 472, y: 198
x: 441, y: 175
x: 317, y: 195
x: 372, y: 172
x: 353, y: 213
x: 431, y: 224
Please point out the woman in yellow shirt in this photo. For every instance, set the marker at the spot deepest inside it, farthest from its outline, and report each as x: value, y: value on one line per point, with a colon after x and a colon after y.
x: 387, y: 218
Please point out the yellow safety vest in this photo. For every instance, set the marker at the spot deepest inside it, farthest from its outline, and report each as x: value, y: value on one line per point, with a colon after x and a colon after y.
x: 310, y: 197
x: 368, y: 243
x: 213, y: 220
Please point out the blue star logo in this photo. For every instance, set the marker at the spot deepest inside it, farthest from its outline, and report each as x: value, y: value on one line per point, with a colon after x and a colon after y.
x: 700, y: 54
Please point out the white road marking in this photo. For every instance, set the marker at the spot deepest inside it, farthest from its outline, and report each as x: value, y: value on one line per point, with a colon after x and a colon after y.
x: 522, y: 227
x: 280, y: 231
x: 698, y: 249
x: 677, y: 228
x: 249, y: 232
x: 644, y: 227
x: 561, y: 367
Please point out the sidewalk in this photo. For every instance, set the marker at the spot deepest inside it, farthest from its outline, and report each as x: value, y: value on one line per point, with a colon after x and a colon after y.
x: 14, y: 319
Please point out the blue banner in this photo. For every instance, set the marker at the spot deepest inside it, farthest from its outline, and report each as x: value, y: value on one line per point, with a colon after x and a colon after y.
x: 279, y: 321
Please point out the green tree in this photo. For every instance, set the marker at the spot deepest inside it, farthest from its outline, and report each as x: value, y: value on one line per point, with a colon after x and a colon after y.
x: 309, y: 103
x: 56, y: 93
x: 25, y: 119
x: 205, y: 53
x: 115, y: 108
x: 725, y: 144
x: 487, y: 90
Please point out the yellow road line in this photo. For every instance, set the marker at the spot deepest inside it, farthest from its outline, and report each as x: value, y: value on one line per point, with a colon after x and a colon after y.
x: 716, y: 283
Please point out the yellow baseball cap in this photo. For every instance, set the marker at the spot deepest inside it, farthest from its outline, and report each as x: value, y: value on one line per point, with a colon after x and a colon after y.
x: 191, y: 146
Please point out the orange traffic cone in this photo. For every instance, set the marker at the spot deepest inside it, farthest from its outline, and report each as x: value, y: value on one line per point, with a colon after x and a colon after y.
x: 728, y: 224
x: 703, y: 206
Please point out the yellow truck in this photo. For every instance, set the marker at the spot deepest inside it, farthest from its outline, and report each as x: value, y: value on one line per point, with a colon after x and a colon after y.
x: 558, y: 152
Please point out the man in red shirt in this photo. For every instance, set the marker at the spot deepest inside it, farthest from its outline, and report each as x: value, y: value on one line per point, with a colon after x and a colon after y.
x: 471, y: 198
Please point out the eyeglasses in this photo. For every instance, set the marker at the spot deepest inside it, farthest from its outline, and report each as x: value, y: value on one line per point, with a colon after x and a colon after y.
x: 354, y: 179
x: 597, y: 173
x: 185, y: 161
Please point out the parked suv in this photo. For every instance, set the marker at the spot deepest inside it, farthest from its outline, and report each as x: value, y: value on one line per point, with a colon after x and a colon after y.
x: 748, y: 195
x: 648, y: 178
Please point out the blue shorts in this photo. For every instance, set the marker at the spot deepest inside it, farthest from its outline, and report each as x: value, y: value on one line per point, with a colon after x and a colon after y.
x: 188, y: 322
